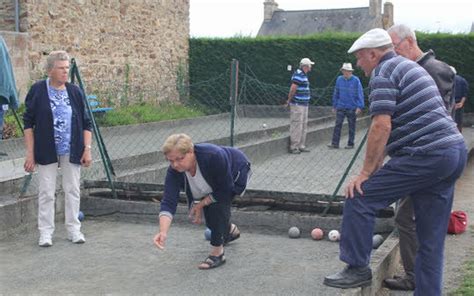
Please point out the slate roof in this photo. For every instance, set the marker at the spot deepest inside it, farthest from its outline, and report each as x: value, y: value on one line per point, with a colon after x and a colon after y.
x: 305, y: 22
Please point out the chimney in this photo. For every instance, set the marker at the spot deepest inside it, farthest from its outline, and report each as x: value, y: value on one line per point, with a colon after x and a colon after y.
x: 375, y: 8
x: 387, y: 15
x: 269, y: 7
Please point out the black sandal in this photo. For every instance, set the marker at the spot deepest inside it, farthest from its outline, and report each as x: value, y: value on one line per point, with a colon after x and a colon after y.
x: 213, y: 261
x: 234, y: 234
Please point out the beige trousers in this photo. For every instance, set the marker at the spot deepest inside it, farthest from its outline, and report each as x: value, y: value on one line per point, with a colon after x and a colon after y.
x: 298, y: 126
x: 71, y: 174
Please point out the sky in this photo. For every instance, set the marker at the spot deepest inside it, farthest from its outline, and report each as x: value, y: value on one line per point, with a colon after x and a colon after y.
x: 229, y: 18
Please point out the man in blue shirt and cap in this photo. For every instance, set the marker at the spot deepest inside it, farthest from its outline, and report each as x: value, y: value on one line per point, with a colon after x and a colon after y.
x: 427, y: 156
x: 298, y: 100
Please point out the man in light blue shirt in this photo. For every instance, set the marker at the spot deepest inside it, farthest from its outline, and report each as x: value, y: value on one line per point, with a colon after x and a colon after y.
x: 347, y: 101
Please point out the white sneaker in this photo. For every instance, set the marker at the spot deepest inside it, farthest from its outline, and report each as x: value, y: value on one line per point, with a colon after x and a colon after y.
x: 45, y: 241
x: 77, y: 238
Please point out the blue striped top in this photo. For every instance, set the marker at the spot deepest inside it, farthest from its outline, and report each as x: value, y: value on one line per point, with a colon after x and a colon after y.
x: 405, y: 91
x: 302, y: 94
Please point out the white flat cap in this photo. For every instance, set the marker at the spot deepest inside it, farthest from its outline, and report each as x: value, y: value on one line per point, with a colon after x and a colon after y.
x: 454, y: 70
x: 371, y: 39
x: 306, y: 61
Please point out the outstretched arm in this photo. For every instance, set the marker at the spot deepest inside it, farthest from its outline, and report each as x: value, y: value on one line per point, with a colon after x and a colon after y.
x: 160, y: 237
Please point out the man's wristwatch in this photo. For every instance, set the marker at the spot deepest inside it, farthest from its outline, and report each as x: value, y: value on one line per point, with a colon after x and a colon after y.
x: 88, y: 147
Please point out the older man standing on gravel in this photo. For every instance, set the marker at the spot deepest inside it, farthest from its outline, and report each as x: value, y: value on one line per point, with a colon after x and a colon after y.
x: 405, y: 44
x: 427, y: 156
x: 298, y: 100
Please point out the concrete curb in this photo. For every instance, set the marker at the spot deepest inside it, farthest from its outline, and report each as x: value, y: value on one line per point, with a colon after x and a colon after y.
x: 255, y: 219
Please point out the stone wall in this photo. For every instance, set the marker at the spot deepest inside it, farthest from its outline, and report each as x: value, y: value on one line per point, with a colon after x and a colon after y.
x: 7, y: 15
x: 18, y: 49
x: 132, y: 46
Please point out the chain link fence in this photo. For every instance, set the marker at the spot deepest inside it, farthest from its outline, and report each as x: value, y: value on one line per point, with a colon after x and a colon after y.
x: 257, y: 122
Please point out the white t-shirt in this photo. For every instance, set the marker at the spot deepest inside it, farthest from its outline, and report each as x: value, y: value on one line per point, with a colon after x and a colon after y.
x: 199, y: 187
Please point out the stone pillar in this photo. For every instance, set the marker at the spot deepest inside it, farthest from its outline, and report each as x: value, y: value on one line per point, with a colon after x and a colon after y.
x: 387, y: 15
x: 7, y: 15
x: 269, y: 7
x: 375, y: 8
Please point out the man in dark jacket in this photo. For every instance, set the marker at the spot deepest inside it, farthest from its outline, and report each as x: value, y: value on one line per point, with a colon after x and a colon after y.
x: 405, y: 44
x: 211, y: 176
x: 461, y: 88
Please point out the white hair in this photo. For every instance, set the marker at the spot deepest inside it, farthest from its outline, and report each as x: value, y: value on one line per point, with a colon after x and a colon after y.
x: 402, y: 31
x: 58, y: 55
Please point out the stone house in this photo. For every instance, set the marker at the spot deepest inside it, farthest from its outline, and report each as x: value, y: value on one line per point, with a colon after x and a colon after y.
x: 306, y: 22
x: 142, y: 43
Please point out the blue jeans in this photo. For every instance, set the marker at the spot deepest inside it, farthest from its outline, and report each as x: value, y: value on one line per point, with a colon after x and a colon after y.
x: 351, y: 120
x: 429, y: 180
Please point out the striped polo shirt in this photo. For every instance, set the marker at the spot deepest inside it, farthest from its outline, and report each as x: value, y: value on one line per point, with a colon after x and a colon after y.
x: 405, y: 91
x: 302, y: 94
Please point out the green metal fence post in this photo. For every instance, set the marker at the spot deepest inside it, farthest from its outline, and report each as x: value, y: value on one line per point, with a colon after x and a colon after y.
x: 74, y: 72
x: 346, y: 172
x: 234, y: 85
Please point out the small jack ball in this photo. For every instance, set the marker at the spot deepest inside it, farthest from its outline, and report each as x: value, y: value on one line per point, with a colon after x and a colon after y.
x: 207, y: 234
x: 81, y: 216
x: 294, y: 232
x: 264, y: 125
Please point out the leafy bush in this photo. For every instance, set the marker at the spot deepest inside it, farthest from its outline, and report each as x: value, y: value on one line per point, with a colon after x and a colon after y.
x: 268, y: 57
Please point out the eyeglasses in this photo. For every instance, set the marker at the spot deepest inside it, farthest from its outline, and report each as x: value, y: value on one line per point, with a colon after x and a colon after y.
x: 395, y: 46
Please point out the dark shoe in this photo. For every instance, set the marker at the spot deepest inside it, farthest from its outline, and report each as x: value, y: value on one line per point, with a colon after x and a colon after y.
x: 331, y: 146
x: 349, y: 147
x: 212, y: 262
x: 400, y: 283
x: 234, y: 234
x: 295, y: 151
x: 350, y: 277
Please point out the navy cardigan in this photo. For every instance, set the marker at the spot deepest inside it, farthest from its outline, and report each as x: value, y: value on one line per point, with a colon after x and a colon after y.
x: 224, y: 169
x: 39, y: 117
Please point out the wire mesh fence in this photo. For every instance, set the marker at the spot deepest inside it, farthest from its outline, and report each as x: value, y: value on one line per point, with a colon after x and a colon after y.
x: 257, y: 123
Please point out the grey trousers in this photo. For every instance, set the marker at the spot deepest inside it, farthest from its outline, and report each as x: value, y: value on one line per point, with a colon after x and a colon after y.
x: 405, y: 219
x: 298, y: 126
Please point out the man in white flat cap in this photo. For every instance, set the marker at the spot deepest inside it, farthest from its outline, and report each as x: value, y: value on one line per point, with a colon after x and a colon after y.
x: 405, y: 44
x: 298, y: 100
x: 347, y: 101
x: 427, y: 155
